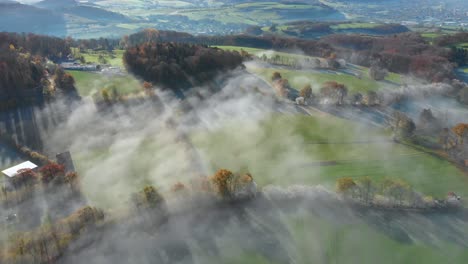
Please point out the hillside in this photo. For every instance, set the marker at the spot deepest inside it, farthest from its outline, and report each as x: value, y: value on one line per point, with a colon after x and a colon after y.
x: 72, y: 7
x: 16, y: 17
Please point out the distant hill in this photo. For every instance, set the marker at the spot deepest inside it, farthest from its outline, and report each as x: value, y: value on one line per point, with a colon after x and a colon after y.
x: 72, y: 7
x: 16, y: 17
x: 56, y: 4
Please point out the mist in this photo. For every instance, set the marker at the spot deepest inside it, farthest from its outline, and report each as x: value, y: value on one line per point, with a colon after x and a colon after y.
x: 121, y: 149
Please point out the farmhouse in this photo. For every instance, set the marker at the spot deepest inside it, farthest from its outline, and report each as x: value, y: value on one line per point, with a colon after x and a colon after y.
x: 10, y: 173
x: 75, y: 66
x: 13, y: 171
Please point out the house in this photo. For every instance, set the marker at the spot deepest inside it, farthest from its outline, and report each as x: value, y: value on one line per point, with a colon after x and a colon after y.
x: 13, y: 171
x: 453, y: 199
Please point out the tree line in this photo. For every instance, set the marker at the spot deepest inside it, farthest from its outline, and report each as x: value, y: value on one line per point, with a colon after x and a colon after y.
x: 53, y: 48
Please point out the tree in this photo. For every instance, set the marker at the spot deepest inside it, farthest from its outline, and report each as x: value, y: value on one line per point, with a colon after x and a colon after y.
x: 346, y: 186
x: 461, y: 130
x: 283, y: 87
x: 51, y: 171
x: 72, y: 179
x: 25, y: 177
x: 65, y: 82
x: 223, y: 181
x: 367, y: 189
x: 306, y: 92
x: 356, y: 99
x: 377, y: 73
x: 276, y: 76
x: 153, y: 198
x: 334, y: 91
x: 397, y: 189
x: 402, y: 125
x: 371, y: 98
x: 102, y: 59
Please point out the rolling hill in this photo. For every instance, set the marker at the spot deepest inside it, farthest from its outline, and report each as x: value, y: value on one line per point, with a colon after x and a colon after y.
x: 17, y: 17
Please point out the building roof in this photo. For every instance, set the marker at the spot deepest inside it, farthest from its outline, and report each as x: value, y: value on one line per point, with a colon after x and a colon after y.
x: 13, y: 171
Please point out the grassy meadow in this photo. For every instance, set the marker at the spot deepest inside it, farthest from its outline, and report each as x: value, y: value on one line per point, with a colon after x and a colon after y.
x: 320, y: 149
x: 113, y: 58
x: 89, y: 83
x: 291, y: 149
x: 300, y: 78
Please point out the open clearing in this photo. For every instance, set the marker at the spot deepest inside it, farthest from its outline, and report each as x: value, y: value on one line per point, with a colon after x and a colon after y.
x: 89, y: 83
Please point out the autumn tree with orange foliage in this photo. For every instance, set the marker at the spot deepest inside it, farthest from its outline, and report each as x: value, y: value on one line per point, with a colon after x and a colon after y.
x: 334, y: 91
x: 345, y: 185
x: 51, y: 172
x: 230, y: 185
x: 25, y: 177
x: 223, y: 181
x: 461, y: 130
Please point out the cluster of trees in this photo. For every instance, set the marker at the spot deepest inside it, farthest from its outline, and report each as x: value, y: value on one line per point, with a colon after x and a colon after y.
x: 26, y: 78
x: 283, y: 89
x: 231, y: 185
x: 451, y: 39
x: 51, y: 175
x: 402, y: 125
x: 179, y: 65
x: 387, y: 193
x: 225, y: 184
x: 21, y: 78
x: 330, y: 93
x: 49, y: 242
x: 52, y: 48
x: 333, y: 92
x: 406, y: 53
x: 428, y: 123
x: 455, y: 142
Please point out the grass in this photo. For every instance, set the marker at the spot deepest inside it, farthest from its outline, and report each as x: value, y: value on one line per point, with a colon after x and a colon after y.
x: 255, y: 13
x: 114, y: 58
x: 355, y: 26
x: 282, y: 151
x: 88, y: 83
x: 299, y: 78
x: 319, y: 241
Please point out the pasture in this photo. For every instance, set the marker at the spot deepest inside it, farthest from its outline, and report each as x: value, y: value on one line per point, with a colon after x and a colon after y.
x: 355, y: 77
x: 88, y: 83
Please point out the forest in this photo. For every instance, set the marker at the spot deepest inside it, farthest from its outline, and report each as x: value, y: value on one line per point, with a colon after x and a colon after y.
x: 179, y: 65
x: 28, y: 71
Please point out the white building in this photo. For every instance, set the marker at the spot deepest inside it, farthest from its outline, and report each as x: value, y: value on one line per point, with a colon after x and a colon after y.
x: 13, y: 171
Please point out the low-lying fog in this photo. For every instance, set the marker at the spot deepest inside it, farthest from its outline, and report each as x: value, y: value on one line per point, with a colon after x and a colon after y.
x: 119, y: 151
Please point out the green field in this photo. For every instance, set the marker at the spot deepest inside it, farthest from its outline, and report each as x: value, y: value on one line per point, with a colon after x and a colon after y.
x: 89, y: 83
x: 286, y: 150
x: 355, y: 26
x: 113, y: 58
x: 300, y: 78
